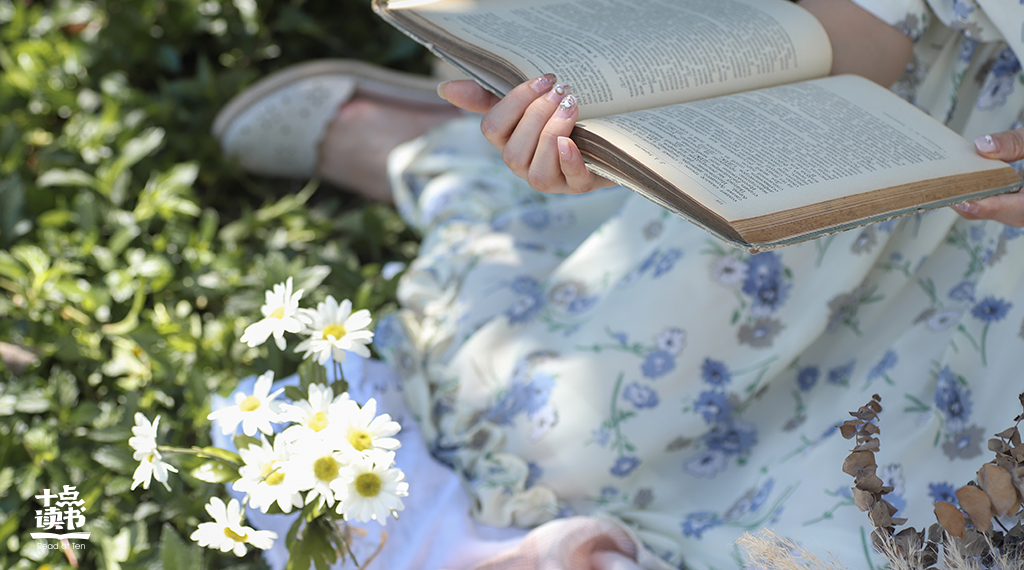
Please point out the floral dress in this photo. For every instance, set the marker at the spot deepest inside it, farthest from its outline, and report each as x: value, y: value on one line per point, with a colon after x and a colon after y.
x: 595, y: 355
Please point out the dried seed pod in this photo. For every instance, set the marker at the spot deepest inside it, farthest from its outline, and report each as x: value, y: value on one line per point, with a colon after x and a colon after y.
x: 863, y: 499
x: 977, y: 505
x: 950, y: 518
x: 859, y: 462
x: 998, y: 485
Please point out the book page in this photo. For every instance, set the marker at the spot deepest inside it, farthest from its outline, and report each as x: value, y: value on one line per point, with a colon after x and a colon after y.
x: 623, y: 55
x: 751, y: 154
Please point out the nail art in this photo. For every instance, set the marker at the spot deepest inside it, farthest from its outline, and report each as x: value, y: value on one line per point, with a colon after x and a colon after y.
x: 969, y: 207
x: 566, y: 106
x: 543, y: 83
x: 558, y: 92
x: 986, y: 144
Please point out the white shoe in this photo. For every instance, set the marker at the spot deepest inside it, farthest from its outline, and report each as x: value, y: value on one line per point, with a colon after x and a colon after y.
x: 275, y: 126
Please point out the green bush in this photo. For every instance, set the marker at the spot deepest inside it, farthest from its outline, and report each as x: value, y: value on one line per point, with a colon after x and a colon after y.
x: 132, y: 255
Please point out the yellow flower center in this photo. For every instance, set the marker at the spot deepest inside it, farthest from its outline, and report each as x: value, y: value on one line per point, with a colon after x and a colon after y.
x: 368, y: 485
x: 235, y: 536
x: 337, y: 331
x: 360, y: 440
x: 326, y: 468
x: 249, y: 404
x: 318, y: 422
x: 277, y: 314
x: 272, y: 475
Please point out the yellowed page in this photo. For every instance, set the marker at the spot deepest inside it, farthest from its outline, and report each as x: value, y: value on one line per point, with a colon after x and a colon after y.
x: 624, y: 55
x: 781, y: 148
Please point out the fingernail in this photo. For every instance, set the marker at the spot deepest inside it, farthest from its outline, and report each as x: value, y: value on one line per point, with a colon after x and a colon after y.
x: 968, y: 207
x: 440, y: 89
x: 558, y: 93
x: 543, y: 83
x: 986, y: 144
x: 566, y: 107
x: 563, y: 145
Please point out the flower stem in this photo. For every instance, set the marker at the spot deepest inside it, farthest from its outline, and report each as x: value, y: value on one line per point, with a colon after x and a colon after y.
x: 197, y: 452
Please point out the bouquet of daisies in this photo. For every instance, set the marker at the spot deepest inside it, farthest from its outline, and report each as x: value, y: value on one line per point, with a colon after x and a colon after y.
x: 329, y: 458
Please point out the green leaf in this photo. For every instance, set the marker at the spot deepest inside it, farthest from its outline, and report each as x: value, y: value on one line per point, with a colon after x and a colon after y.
x: 176, y: 553
x: 68, y: 177
x: 116, y: 458
x: 243, y: 441
x: 294, y: 393
x: 223, y: 454
x: 215, y: 472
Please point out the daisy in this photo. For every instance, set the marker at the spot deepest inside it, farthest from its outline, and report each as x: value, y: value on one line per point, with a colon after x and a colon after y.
x: 314, y: 466
x: 144, y: 433
x: 263, y: 477
x: 322, y: 410
x: 150, y: 461
x: 280, y: 315
x: 151, y: 465
x: 254, y: 412
x: 372, y: 490
x: 226, y: 531
x: 333, y: 329
x: 363, y: 431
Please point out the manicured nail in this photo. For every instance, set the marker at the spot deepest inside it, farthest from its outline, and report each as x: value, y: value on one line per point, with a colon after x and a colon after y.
x: 566, y: 107
x: 563, y: 146
x: 986, y: 144
x: 440, y: 89
x: 543, y: 83
x: 558, y: 93
x: 968, y: 207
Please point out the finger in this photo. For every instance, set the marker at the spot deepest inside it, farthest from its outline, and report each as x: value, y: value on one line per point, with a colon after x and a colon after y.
x: 1006, y: 209
x: 577, y: 177
x: 499, y: 123
x: 521, y: 148
x: 1007, y: 145
x: 467, y: 94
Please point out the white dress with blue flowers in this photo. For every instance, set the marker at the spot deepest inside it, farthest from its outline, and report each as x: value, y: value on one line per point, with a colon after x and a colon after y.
x: 595, y: 355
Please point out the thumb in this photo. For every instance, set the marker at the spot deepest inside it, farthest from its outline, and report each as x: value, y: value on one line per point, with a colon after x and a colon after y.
x: 1007, y: 145
x: 468, y: 95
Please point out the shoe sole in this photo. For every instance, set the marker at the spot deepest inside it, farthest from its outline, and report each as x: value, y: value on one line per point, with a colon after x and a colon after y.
x: 371, y: 80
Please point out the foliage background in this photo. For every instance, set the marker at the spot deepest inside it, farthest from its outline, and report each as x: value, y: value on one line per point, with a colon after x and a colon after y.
x: 132, y: 255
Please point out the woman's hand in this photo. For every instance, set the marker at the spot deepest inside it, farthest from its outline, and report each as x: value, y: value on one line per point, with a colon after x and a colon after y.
x: 1004, y: 208
x: 531, y: 127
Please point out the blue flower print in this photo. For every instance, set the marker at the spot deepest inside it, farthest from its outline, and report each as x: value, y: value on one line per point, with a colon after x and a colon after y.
x: 625, y: 465
x: 884, y: 365
x: 892, y: 476
x: 501, y: 222
x: 714, y: 406
x: 697, y: 523
x: 640, y: 396
x: 706, y: 463
x: 609, y: 492
x: 1006, y: 64
x: 967, y: 47
x: 942, y: 492
x: 714, y: 372
x: 766, y: 283
x: 1010, y: 232
x: 761, y: 497
x: 525, y: 285
x: 535, y: 472
x: 621, y: 338
x: 807, y: 377
x: 658, y: 363
x: 536, y: 218
x: 841, y: 374
x: 952, y: 399
x: 732, y: 437
x: 525, y: 308
x: 522, y: 397
x: 601, y: 436
x: 963, y: 9
x: 976, y: 233
x: 963, y: 291
x: 991, y: 309
x: 582, y: 304
x: 667, y: 261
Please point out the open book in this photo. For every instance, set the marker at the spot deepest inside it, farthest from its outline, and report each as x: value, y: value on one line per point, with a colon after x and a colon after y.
x: 720, y: 111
